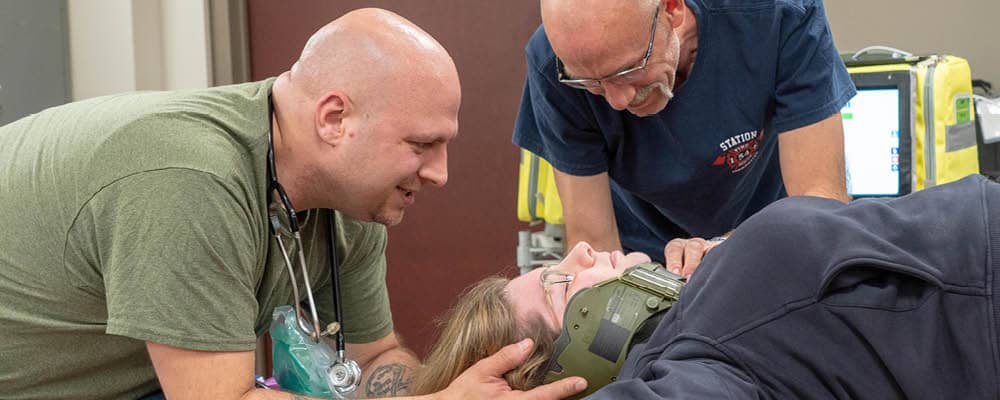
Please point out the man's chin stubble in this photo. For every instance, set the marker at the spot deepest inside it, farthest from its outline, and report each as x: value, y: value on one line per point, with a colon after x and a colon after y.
x: 388, y: 221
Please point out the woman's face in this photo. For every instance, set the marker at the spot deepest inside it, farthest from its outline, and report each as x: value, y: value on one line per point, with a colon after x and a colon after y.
x: 582, y: 268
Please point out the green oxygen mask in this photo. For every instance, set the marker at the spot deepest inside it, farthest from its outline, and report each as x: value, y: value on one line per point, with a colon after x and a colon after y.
x: 302, y: 365
x: 601, y: 323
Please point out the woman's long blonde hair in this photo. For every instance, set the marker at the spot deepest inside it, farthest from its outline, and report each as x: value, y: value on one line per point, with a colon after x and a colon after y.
x: 480, y: 324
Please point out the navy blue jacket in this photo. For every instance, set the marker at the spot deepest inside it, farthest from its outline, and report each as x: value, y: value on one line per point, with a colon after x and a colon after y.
x: 815, y: 299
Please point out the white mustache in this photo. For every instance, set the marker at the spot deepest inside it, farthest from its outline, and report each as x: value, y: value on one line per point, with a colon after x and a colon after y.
x: 642, y: 94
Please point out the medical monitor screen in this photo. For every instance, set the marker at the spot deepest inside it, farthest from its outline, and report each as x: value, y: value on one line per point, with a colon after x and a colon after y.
x: 872, y: 142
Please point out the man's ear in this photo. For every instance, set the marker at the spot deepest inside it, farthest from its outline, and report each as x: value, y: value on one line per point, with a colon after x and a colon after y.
x: 677, y: 10
x: 330, y: 113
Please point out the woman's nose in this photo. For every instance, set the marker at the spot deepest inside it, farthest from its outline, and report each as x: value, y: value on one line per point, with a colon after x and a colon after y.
x: 602, y: 259
x: 616, y: 257
x: 581, y: 256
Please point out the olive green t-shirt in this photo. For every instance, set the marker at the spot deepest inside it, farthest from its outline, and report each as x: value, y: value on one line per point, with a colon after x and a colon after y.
x: 142, y: 217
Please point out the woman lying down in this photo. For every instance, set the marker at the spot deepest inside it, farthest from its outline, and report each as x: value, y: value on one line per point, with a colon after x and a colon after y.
x: 810, y: 298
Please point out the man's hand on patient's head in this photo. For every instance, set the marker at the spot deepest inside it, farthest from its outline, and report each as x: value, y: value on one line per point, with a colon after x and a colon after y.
x: 484, y: 379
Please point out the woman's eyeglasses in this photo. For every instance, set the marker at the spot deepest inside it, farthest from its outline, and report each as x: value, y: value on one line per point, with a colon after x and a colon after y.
x: 551, y: 277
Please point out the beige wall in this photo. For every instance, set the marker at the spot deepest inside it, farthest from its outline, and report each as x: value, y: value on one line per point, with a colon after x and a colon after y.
x: 100, y: 46
x: 965, y: 28
x: 125, y: 45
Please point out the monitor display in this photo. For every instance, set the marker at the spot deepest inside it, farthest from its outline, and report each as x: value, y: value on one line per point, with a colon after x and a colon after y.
x: 878, y: 134
x: 872, y: 142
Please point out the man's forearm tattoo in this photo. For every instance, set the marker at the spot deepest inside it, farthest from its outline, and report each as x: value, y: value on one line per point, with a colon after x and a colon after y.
x: 388, y: 380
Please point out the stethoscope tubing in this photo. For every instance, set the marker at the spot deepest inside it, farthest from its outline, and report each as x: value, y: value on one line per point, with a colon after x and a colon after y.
x: 293, y: 226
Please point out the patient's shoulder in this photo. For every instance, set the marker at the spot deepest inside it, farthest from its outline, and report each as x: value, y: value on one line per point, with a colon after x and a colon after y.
x: 773, y: 259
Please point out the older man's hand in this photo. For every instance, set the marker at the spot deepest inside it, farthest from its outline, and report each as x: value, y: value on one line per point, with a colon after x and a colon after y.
x: 683, y: 256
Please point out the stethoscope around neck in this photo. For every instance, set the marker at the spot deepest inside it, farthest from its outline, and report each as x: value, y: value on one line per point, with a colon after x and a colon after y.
x: 344, y: 375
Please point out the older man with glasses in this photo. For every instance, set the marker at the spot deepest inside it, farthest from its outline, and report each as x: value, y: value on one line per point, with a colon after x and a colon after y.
x: 671, y: 121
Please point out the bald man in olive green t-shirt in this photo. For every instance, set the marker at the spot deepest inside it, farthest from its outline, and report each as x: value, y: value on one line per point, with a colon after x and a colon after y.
x: 131, y: 219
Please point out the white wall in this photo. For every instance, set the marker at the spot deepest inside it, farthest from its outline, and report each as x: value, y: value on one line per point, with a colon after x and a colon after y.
x: 186, y: 44
x: 126, y: 45
x: 100, y: 47
x: 966, y: 28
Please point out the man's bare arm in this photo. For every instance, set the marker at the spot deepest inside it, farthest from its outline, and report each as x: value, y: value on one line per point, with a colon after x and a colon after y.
x: 588, y: 211
x: 191, y: 374
x: 812, y: 160
x: 387, y: 367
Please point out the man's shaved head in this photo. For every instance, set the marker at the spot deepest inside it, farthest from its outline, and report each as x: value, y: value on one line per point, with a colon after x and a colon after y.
x: 366, y: 48
x: 363, y: 117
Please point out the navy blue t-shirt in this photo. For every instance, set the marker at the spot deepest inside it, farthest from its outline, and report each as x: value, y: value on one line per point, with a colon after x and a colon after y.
x: 709, y: 160
x: 816, y: 299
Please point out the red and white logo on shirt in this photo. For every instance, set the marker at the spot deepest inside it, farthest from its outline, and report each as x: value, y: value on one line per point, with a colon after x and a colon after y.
x: 739, y: 151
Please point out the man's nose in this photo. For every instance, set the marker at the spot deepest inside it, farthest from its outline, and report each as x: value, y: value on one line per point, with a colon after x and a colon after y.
x: 435, y: 168
x: 618, y: 96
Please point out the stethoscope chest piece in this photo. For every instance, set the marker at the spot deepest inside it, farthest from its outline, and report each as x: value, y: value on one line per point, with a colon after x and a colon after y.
x: 344, y: 376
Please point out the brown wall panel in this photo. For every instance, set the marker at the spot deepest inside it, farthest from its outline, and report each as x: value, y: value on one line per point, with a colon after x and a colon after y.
x: 453, y: 236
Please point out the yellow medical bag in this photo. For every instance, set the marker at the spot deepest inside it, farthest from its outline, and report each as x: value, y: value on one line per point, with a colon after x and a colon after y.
x: 537, y: 197
x: 942, y: 126
x: 538, y: 203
